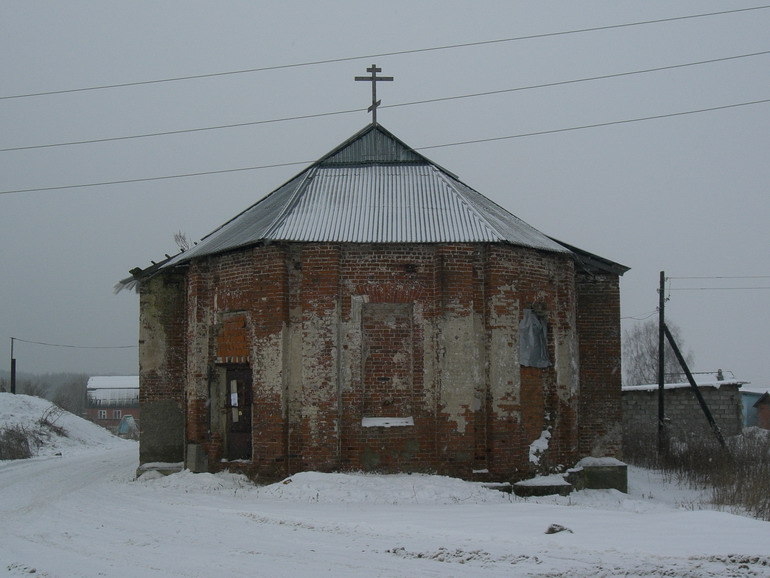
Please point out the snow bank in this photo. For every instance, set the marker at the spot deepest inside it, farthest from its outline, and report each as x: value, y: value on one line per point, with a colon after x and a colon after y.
x: 598, y: 462
x: 26, y: 411
x: 336, y: 488
x: 381, y: 489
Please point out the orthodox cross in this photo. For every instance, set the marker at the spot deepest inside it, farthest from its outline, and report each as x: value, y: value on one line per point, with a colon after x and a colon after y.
x: 374, y: 79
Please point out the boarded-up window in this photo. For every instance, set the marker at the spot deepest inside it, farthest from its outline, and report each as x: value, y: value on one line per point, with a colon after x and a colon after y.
x: 387, y: 363
x: 233, y: 339
x: 533, y: 341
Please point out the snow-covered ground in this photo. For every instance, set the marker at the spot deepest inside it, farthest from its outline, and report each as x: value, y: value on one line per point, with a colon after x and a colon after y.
x: 82, y: 513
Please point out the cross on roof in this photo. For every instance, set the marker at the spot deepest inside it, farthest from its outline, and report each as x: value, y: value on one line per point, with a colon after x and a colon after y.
x: 374, y: 79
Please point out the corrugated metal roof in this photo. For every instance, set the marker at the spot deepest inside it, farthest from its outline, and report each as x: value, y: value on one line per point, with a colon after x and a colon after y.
x: 246, y: 228
x: 373, y: 189
x: 382, y: 204
x: 372, y: 146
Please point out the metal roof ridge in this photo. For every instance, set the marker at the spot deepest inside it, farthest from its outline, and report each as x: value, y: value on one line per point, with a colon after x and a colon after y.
x: 415, y: 151
x: 385, y: 132
x: 290, y: 204
x: 255, y: 203
x: 483, y: 221
x: 590, y: 260
x: 518, y: 220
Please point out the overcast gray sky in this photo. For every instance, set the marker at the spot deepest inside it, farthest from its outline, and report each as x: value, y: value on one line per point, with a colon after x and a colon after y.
x: 685, y: 194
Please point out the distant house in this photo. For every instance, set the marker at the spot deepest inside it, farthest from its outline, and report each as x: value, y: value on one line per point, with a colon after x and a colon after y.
x: 110, y: 398
x: 762, y: 408
x: 750, y: 396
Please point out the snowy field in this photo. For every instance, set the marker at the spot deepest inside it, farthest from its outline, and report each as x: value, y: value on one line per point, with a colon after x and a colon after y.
x: 77, y: 510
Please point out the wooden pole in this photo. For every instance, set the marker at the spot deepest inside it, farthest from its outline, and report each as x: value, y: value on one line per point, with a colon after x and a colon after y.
x: 661, y: 364
x: 704, y: 406
x: 13, y: 369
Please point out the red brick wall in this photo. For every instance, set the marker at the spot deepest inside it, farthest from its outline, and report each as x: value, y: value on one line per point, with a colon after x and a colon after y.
x: 162, y: 364
x: 389, y: 283
x: 388, y: 363
x: 598, y: 318
x: 303, y: 316
x: 545, y: 284
x: 317, y: 395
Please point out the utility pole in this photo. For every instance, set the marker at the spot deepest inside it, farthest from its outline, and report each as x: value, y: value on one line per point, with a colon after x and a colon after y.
x: 698, y: 395
x: 661, y: 364
x: 13, y: 369
x: 663, y: 334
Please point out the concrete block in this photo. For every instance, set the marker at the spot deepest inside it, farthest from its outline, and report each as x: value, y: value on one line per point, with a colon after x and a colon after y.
x: 604, y: 474
x: 197, y: 460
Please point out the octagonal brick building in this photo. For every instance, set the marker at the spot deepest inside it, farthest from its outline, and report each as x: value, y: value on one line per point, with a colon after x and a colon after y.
x: 375, y: 313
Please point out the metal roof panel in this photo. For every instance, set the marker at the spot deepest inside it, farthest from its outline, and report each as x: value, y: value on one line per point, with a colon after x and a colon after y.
x: 372, y: 189
x: 382, y: 204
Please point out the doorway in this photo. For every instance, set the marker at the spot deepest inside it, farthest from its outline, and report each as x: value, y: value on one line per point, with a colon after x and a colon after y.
x: 237, y: 404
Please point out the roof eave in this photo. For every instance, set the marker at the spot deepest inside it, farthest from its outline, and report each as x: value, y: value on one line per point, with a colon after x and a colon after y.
x: 593, y: 263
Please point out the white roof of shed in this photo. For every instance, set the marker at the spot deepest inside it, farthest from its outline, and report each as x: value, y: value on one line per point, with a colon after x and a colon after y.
x: 113, y: 389
x: 113, y: 382
x: 706, y: 383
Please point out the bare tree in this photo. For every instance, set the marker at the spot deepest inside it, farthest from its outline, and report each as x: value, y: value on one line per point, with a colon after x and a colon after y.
x: 182, y: 241
x: 34, y: 387
x: 71, y: 396
x: 640, y: 353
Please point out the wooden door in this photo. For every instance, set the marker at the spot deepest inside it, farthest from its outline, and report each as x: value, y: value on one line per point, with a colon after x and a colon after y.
x: 238, y: 399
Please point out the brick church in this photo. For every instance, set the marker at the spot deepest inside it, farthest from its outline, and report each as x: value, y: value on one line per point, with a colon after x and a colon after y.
x: 376, y: 313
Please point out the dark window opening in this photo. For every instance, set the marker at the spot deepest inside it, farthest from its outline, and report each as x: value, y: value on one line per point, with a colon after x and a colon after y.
x: 533, y: 341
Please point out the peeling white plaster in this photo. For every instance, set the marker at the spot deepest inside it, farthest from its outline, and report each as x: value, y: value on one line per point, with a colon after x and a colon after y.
x: 152, y: 338
x: 267, y: 358
x: 387, y: 421
x: 459, y: 367
x: 504, y: 372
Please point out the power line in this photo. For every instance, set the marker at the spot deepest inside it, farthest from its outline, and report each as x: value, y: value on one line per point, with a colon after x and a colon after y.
x: 161, y: 178
x: 597, y: 125
x: 718, y: 277
x: 575, y: 81
x: 459, y: 143
x: 188, y: 130
x: 638, y: 317
x: 412, y: 103
x: 726, y: 277
x: 383, y: 54
x: 76, y: 346
x: 715, y: 288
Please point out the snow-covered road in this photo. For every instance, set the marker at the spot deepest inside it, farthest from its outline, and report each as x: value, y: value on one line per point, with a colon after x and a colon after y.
x: 84, y: 515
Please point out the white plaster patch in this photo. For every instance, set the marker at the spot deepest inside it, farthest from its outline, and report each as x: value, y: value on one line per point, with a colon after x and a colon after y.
x: 267, y: 357
x: 387, y: 421
x: 504, y: 372
x: 460, y: 367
